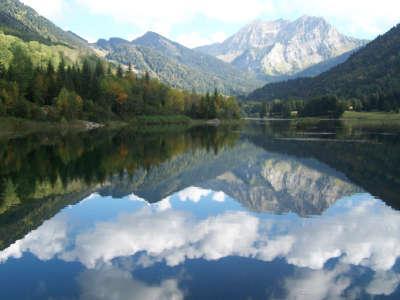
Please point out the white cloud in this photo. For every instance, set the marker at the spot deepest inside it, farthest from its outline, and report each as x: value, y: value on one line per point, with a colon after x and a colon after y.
x: 113, y: 283
x: 174, y: 236
x: 51, y: 9
x: 166, y: 235
x: 161, y: 15
x: 383, y: 283
x: 357, y: 17
x: 317, y: 285
x: 193, y: 194
x: 366, y: 233
x: 195, y: 39
x: 164, y: 204
x: 219, y: 196
x: 134, y: 198
x: 44, y: 242
x: 362, y: 233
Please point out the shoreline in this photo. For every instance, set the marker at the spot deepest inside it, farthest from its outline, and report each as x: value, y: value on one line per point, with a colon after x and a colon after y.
x: 18, y: 127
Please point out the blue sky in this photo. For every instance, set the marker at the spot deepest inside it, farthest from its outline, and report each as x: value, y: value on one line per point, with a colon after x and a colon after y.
x: 195, y: 23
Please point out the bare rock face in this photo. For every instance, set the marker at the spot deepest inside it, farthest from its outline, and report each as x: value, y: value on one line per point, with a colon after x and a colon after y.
x: 281, y: 47
x: 282, y: 184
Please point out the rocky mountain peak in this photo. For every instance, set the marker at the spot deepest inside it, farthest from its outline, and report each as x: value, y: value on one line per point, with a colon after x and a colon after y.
x: 281, y: 47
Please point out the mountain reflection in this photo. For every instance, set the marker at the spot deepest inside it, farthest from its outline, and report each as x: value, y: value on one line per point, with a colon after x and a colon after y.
x: 160, y: 215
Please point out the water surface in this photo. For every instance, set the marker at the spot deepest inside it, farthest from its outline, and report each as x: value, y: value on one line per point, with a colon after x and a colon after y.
x: 267, y: 210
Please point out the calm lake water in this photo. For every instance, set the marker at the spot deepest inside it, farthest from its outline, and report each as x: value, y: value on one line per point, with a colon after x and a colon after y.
x: 267, y: 210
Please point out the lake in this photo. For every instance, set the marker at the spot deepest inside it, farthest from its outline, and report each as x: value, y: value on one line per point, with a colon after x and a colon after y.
x: 263, y: 210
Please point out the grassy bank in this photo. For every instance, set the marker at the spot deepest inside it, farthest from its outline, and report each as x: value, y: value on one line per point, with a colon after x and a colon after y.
x: 161, y: 120
x: 371, y: 116
x: 372, y: 119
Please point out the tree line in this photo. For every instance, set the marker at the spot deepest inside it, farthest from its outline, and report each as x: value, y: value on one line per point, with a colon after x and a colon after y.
x: 95, y: 90
x: 327, y: 106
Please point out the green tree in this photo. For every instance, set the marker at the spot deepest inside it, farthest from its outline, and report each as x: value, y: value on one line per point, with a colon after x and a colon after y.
x: 69, y: 104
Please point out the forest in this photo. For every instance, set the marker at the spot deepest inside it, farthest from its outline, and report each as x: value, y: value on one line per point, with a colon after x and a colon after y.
x: 94, y: 90
x: 328, y: 106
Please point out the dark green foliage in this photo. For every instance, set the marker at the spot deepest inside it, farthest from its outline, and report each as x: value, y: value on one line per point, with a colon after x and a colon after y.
x: 329, y: 106
x: 370, y: 78
x: 276, y: 108
x: 87, y: 91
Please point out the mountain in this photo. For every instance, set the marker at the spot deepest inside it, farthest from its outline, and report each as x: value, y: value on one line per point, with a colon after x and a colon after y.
x: 372, y: 75
x: 283, y: 48
x: 281, y: 184
x: 262, y: 181
x: 22, y: 21
x: 324, y: 66
x: 177, y: 65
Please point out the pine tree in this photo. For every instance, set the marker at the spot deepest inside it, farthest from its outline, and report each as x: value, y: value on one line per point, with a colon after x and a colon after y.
x: 120, y: 72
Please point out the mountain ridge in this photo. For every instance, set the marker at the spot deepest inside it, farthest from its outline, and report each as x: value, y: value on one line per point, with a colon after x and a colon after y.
x: 176, y: 64
x: 370, y: 75
x: 281, y: 47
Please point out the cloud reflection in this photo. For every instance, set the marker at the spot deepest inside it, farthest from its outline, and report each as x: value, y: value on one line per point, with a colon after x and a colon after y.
x: 358, y: 231
x: 110, y: 283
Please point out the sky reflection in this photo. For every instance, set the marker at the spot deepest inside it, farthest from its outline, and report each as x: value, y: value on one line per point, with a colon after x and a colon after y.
x: 356, y: 232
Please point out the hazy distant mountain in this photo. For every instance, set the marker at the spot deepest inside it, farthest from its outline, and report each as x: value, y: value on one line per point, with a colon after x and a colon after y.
x: 22, y: 21
x: 177, y: 65
x: 282, y: 47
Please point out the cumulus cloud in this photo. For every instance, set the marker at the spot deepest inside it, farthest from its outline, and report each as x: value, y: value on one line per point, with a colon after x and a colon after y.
x: 193, y: 194
x: 315, y: 285
x: 383, y: 283
x: 219, y: 196
x: 163, y: 204
x: 363, y: 233
x: 113, y: 283
x: 337, y: 283
x: 358, y: 236
x: 174, y: 236
x: 45, y: 242
x: 367, y: 233
x: 134, y: 198
x: 169, y: 235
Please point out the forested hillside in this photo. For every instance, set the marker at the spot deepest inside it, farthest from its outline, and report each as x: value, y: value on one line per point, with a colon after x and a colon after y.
x: 50, y: 74
x: 370, y: 78
x: 39, y: 53
x: 91, y: 90
x: 177, y: 65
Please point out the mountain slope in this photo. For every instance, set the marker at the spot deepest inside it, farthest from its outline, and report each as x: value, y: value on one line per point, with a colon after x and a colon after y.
x: 22, y: 21
x: 281, y: 47
x: 324, y: 66
x: 177, y: 65
x: 372, y: 73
